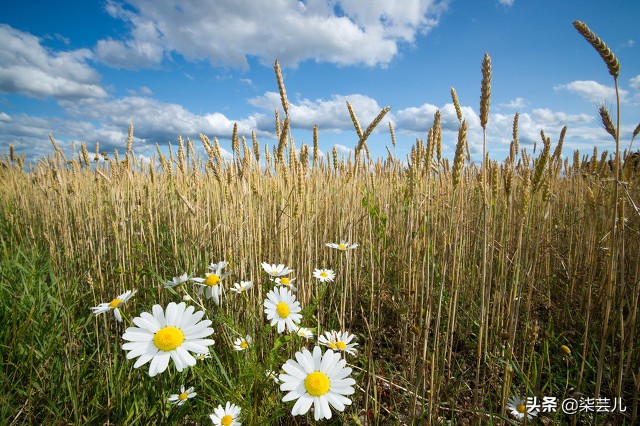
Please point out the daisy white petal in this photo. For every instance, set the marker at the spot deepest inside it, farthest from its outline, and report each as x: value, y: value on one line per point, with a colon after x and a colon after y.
x: 286, y: 282
x: 241, y: 287
x: 310, y: 383
x: 177, y: 281
x: 211, y: 284
x: 342, y: 245
x: 169, y: 341
x: 324, y: 275
x: 242, y: 343
x: 337, y: 340
x: 183, y: 396
x: 276, y: 270
x: 226, y: 416
x: 114, y: 305
x: 518, y: 408
x: 282, y: 309
x: 202, y: 356
x: 304, y: 332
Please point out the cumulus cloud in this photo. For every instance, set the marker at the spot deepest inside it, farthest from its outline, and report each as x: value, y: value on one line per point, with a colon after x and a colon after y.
x: 635, y: 82
x: 331, y: 114
x: 420, y: 119
x: 27, y: 68
x: 157, y: 121
x: 517, y: 103
x: 507, y: 3
x: 592, y: 91
x: 343, y: 32
x: 142, y: 50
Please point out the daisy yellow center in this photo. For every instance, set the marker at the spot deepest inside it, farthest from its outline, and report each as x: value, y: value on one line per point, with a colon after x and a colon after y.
x: 212, y: 279
x: 521, y: 408
x: 285, y: 281
x: 282, y: 309
x: 244, y: 344
x: 332, y: 345
x: 323, y: 274
x: 168, y: 338
x: 183, y: 396
x: 114, y: 303
x: 341, y: 345
x: 317, y: 383
x: 226, y: 420
x: 342, y: 246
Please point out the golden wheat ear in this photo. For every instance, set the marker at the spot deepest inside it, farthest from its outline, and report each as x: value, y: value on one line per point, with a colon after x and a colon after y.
x: 605, y: 53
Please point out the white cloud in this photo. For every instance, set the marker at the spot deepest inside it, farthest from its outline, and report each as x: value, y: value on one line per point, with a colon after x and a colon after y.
x: 29, y: 69
x: 507, y: 3
x: 227, y: 32
x: 420, y: 119
x: 545, y: 115
x: 4, y: 116
x: 517, y: 103
x: 628, y: 43
x: 635, y: 82
x: 593, y: 91
x: 329, y: 114
x: 157, y: 121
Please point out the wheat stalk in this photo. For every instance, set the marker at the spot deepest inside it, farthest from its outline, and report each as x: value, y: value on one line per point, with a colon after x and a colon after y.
x: 485, y: 93
x: 605, y: 53
x: 458, y: 158
x: 456, y: 104
x: 281, y: 88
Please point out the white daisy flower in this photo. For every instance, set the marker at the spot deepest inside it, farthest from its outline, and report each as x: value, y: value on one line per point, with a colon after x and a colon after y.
x: 242, y: 343
x: 241, y: 287
x: 342, y: 246
x: 181, y: 398
x: 304, y: 332
x: 114, y: 304
x: 339, y: 340
x: 217, y: 268
x: 202, y: 356
x: 519, y: 409
x: 282, y: 309
x: 287, y: 282
x: 276, y: 270
x: 211, y: 283
x: 177, y: 281
x: 324, y: 275
x: 270, y: 374
x: 226, y: 416
x: 161, y: 336
x: 318, y: 380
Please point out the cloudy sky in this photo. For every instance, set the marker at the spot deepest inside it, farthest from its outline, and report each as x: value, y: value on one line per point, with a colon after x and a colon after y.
x: 83, y: 70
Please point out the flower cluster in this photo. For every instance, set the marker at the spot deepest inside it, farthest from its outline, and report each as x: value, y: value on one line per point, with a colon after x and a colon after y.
x: 183, y: 335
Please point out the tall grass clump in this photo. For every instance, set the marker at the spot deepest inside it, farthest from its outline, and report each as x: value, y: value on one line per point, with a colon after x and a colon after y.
x: 435, y: 290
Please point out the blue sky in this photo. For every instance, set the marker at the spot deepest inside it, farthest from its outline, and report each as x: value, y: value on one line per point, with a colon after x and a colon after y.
x: 83, y: 70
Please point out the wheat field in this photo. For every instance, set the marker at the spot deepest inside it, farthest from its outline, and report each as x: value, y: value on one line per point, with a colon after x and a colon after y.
x: 471, y: 283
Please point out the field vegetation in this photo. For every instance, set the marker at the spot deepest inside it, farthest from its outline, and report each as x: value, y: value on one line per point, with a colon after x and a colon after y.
x: 471, y: 283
